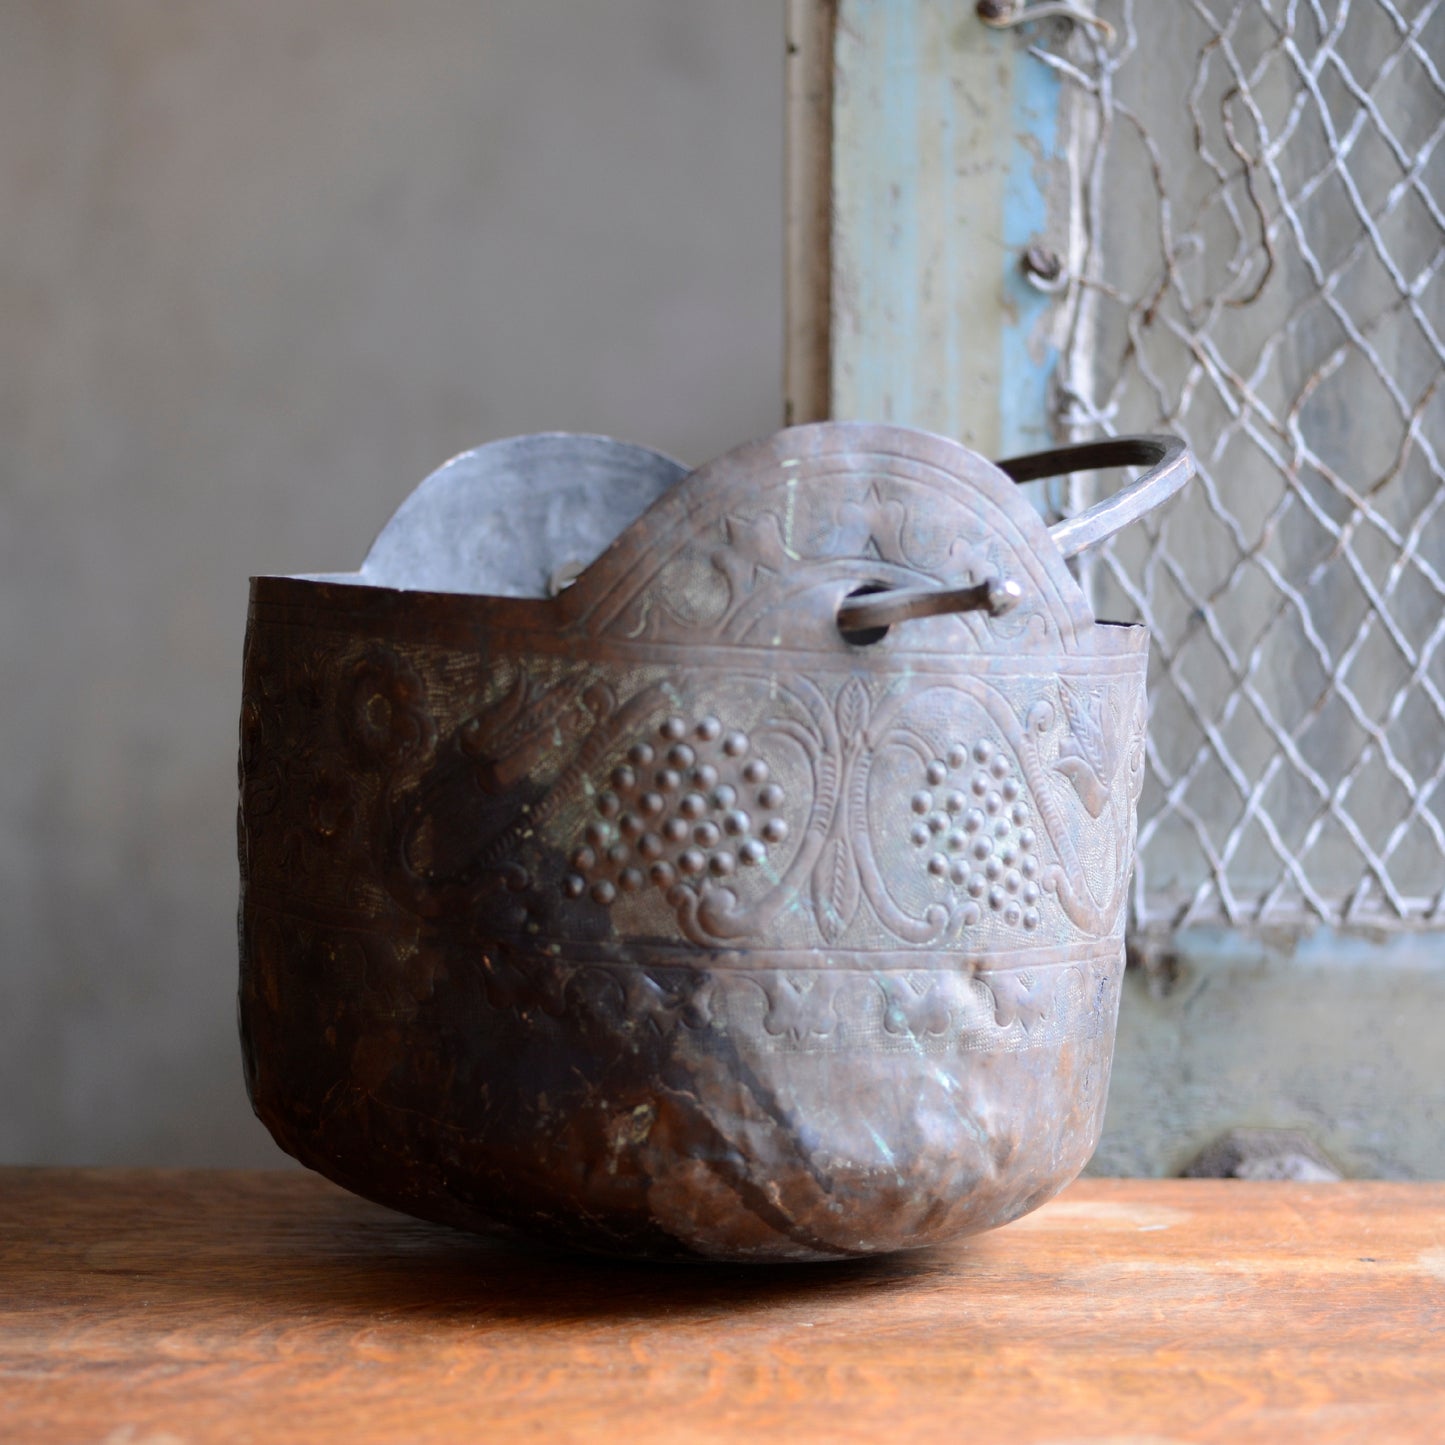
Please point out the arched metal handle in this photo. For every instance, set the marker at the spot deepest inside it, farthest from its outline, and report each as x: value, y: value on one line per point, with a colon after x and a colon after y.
x: 1170, y: 466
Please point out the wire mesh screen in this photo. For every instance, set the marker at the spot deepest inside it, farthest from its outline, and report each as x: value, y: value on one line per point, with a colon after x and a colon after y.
x: 1261, y: 213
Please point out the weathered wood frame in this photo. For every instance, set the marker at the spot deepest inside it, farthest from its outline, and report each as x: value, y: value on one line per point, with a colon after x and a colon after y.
x: 926, y: 154
x: 808, y: 215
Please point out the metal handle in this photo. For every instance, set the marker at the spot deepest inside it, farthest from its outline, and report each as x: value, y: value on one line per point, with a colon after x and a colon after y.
x: 1170, y: 466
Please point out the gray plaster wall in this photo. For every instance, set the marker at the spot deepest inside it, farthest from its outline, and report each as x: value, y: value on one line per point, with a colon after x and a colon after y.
x: 263, y: 265
x: 1338, y: 1037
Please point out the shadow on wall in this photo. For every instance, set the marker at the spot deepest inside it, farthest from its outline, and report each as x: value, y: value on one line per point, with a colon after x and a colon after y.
x: 266, y: 266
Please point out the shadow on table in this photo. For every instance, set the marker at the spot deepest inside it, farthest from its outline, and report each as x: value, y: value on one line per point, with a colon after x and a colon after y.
x: 516, y: 1280
x: 316, y: 1251
x: 437, y: 1272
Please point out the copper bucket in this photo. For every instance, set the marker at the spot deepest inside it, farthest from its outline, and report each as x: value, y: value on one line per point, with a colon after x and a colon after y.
x: 758, y: 894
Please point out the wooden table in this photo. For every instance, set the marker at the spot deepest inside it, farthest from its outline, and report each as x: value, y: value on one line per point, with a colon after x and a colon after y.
x: 155, y: 1308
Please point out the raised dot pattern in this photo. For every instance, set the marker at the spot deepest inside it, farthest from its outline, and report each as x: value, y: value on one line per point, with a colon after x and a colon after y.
x: 687, y: 805
x: 972, y: 828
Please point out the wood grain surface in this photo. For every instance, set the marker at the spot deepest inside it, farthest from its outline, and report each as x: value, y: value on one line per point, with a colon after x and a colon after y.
x: 153, y: 1308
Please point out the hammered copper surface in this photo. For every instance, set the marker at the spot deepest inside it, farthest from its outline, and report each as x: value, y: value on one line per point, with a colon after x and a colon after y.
x: 660, y: 918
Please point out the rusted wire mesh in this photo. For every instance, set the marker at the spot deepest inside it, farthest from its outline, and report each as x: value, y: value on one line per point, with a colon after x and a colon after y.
x: 1260, y: 224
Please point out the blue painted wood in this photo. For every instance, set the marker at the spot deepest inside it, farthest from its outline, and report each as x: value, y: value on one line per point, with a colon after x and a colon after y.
x: 948, y: 162
x: 1037, y: 165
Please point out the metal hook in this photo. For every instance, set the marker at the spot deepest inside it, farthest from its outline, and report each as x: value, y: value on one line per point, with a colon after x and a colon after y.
x: 1044, y: 269
x: 1004, y: 14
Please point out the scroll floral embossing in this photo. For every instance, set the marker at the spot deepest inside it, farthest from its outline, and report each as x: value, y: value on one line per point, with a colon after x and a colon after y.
x: 790, y: 1009
x: 754, y: 546
x: 800, y: 1006
x: 384, y: 713
x: 1087, y: 755
x: 973, y: 848
x: 330, y: 805
x: 1088, y: 758
x: 1023, y: 997
x: 836, y: 885
x: 688, y: 807
x: 745, y: 552
x: 281, y: 729
x: 531, y: 720
x: 919, y: 1006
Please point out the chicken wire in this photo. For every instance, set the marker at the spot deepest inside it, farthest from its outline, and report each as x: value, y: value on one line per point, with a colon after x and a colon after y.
x: 1260, y: 207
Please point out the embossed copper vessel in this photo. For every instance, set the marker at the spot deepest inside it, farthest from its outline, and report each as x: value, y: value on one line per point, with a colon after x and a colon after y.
x: 759, y: 895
